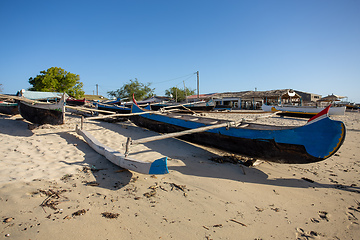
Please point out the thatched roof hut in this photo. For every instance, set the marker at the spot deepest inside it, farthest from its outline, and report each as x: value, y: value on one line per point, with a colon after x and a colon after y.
x: 254, y: 99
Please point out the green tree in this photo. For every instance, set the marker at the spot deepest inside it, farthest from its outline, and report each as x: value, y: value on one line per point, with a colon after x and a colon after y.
x: 140, y: 90
x: 56, y: 79
x: 179, y: 94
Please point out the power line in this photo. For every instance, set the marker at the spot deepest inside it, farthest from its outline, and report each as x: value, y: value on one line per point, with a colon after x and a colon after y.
x: 176, y: 78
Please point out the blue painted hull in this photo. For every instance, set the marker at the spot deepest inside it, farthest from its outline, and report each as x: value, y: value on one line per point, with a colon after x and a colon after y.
x: 113, y: 108
x: 312, y: 142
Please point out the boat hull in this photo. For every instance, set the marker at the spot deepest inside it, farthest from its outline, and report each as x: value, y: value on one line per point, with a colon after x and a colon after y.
x: 302, y: 112
x: 158, y: 166
x: 310, y: 143
x: 113, y: 108
x: 197, y: 106
x: 76, y: 102
x: 9, y: 108
x: 42, y: 113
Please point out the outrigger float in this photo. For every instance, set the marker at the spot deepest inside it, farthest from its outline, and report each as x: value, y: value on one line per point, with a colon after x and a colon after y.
x: 158, y: 166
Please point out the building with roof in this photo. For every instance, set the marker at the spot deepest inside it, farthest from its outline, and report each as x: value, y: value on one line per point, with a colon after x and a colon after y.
x: 308, y: 99
x: 252, y: 99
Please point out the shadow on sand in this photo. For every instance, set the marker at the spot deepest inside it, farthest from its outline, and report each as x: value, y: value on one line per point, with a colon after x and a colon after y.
x: 14, y: 127
x: 107, y: 175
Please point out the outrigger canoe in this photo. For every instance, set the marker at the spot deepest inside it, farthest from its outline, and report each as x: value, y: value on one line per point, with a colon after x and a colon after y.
x: 315, y: 141
x: 43, y: 112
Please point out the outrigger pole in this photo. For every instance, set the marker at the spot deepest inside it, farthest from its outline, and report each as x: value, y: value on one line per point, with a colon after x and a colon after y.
x: 176, y: 134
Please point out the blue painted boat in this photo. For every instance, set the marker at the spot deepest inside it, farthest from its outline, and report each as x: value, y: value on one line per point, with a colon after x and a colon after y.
x: 195, y: 106
x: 113, y: 107
x: 317, y: 140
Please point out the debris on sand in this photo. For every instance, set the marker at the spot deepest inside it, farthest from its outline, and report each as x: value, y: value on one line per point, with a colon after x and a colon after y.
x: 79, y: 213
x: 234, y: 159
x: 110, y: 215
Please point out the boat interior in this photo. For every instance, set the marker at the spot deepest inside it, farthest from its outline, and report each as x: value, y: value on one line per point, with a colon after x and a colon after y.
x: 212, y: 121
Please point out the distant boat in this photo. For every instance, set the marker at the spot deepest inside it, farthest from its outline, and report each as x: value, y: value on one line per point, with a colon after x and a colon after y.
x: 317, y: 140
x: 195, y: 106
x: 75, y: 102
x: 352, y: 107
x: 112, y: 107
x: 302, y: 111
x: 8, y: 108
x: 43, y: 112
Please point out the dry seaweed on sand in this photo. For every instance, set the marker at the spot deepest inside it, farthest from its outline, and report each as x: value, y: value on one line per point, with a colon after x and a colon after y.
x: 79, y: 213
x: 53, y: 198
x: 234, y: 159
x: 110, y: 215
x: 91, y: 183
x: 177, y: 187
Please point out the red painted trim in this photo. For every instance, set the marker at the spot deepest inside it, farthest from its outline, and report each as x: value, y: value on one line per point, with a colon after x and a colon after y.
x: 323, y: 112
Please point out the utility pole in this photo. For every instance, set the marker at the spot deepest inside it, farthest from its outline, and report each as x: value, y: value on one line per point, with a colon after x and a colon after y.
x: 185, y: 92
x: 97, y: 89
x: 198, y: 90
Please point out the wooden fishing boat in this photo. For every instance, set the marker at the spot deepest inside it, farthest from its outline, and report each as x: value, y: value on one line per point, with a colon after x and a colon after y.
x: 43, y: 112
x: 302, y: 111
x: 9, y: 108
x: 75, y: 102
x: 317, y: 140
x: 112, y: 107
x: 195, y: 106
x: 158, y: 166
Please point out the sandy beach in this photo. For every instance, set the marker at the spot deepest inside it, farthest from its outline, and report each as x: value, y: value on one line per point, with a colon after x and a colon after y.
x: 54, y: 186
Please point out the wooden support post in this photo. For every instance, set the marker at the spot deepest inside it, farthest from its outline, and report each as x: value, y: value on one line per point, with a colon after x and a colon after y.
x: 127, y: 146
x: 63, y: 101
x: 82, y: 122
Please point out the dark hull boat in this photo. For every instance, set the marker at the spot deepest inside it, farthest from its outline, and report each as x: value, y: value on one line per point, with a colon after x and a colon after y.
x: 43, y: 113
x: 9, y: 108
x: 113, y: 108
x: 317, y: 140
x: 75, y: 102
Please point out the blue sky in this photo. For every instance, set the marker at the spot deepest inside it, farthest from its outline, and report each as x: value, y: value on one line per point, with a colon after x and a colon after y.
x: 308, y: 45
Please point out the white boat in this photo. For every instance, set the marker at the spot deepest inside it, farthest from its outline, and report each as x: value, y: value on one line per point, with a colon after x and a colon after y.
x: 158, y: 166
x: 302, y: 111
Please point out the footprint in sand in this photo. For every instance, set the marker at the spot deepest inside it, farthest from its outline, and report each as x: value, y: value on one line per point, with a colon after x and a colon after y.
x: 302, y: 235
x: 353, y: 215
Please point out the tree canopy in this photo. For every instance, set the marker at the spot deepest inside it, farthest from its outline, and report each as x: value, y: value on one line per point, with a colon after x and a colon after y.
x: 140, y: 90
x: 56, y: 79
x: 179, y: 94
